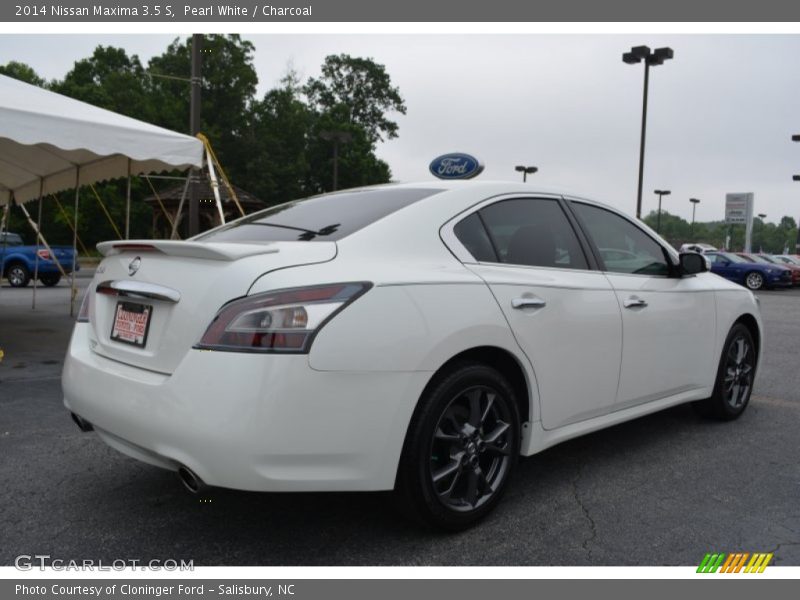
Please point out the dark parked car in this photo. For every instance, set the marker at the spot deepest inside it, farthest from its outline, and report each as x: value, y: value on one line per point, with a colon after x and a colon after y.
x: 765, y: 259
x: 19, y: 261
x: 752, y: 275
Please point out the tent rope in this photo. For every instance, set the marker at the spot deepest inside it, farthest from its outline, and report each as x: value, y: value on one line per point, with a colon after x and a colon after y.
x: 105, y: 210
x: 225, y: 180
x: 69, y: 223
x: 161, y: 204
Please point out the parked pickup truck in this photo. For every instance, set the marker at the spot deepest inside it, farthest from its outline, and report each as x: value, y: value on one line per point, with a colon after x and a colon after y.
x: 19, y: 261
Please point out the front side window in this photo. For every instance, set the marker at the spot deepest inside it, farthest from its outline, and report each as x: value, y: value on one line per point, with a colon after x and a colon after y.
x: 533, y: 232
x: 623, y: 247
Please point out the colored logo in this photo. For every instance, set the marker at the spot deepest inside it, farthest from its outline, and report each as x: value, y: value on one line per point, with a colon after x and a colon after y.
x: 738, y: 562
x: 456, y: 166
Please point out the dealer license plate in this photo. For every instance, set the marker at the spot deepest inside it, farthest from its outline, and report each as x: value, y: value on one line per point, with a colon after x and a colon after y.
x: 131, y: 323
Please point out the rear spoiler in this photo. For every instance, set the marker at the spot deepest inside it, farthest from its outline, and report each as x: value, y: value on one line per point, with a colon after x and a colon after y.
x: 207, y: 251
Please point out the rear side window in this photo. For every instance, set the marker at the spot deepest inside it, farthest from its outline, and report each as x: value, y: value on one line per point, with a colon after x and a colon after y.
x: 472, y: 235
x: 321, y: 218
x: 10, y: 239
x: 532, y: 232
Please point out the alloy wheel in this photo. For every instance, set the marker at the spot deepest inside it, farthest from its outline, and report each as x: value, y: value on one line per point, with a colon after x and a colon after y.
x: 755, y: 281
x: 739, y: 366
x: 471, y: 448
x: 16, y: 276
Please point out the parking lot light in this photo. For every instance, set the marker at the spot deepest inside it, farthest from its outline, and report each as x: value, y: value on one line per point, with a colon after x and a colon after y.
x: 660, y: 194
x: 525, y: 170
x: 796, y: 138
x: 695, y: 202
x: 657, y: 57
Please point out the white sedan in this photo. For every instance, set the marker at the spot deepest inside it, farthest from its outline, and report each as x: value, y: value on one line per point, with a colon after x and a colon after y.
x: 415, y: 337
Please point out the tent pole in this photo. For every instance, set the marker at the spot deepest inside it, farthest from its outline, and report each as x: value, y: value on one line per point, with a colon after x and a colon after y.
x: 215, y: 187
x: 180, y: 206
x: 38, y: 235
x: 128, y: 204
x: 4, y: 234
x: 73, y: 290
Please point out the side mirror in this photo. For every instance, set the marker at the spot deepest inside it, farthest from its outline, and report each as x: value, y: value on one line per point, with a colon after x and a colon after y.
x: 693, y: 263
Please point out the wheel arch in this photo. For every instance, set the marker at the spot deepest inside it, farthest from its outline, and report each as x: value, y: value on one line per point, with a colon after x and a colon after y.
x: 503, y: 361
x: 13, y: 261
x: 751, y: 323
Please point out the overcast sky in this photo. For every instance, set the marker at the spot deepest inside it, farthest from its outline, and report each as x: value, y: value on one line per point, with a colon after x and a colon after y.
x: 720, y: 116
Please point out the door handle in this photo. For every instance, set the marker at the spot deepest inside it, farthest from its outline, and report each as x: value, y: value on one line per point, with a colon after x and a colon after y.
x: 634, y: 302
x: 532, y: 302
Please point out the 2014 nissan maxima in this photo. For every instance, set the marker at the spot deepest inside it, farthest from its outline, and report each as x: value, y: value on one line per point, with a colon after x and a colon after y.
x: 410, y: 337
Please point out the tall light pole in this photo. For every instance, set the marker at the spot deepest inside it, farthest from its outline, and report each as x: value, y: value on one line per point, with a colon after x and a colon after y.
x: 337, y: 137
x: 761, y: 216
x: 194, y: 128
x: 651, y: 59
x: 525, y: 171
x: 694, y: 202
x: 660, y: 194
x: 796, y: 138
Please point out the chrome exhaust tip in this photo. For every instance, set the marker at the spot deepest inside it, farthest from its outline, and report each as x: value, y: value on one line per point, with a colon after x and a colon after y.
x: 82, y: 423
x: 190, y: 480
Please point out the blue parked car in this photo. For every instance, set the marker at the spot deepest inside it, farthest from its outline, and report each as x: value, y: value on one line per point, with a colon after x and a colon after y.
x: 752, y: 275
x: 19, y: 261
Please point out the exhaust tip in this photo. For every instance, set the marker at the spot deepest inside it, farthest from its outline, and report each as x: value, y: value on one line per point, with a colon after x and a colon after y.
x: 192, y: 483
x: 82, y: 423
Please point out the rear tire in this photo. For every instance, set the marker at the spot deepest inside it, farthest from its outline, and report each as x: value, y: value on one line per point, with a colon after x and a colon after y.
x: 735, y: 375
x: 754, y: 280
x: 461, y: 447
x: 17, y: 275
x: 50, y: 279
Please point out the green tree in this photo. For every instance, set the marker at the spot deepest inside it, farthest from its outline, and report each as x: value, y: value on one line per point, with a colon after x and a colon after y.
x: 279, y: 170
x: 228, y: 91
x: 358, y: 91
x: 23, y: 72
x: 112, y: 80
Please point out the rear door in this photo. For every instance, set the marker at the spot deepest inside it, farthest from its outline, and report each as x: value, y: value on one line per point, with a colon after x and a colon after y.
x: 668, y: 323
x: 564, y: 315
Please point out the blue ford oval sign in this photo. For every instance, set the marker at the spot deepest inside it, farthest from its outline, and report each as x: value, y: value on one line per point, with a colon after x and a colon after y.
x: 456, y: 166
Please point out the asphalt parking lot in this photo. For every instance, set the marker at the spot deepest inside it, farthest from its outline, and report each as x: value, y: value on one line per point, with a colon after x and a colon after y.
x: 661, y: 490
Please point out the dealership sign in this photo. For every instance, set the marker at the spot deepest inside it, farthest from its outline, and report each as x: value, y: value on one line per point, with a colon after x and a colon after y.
x: 738, y: 208
x: 456, y: 166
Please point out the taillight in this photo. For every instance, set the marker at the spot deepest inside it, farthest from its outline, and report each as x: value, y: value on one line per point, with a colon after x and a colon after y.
x: 83, y: 313
x: 280, y: 321
x: 44, y: 254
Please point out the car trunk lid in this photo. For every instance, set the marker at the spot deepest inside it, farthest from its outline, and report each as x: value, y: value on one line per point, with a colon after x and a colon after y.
x: 158, y: 297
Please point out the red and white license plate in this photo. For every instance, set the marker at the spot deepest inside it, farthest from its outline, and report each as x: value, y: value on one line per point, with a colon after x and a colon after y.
x: 131, y: 323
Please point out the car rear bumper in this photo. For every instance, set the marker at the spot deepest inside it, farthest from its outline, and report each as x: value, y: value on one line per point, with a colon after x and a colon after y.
x: 259, y: 422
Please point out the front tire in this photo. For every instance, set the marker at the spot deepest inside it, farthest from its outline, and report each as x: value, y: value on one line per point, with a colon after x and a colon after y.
x: 461, y: 447
x: 735, y: 375
x: 17, y: 275
x: 754, y: 280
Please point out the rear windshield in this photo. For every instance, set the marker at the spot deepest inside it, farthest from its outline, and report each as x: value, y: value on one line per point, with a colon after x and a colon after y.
x: 322, y: 218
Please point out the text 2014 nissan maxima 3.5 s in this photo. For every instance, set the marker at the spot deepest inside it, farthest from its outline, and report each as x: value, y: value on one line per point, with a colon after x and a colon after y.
x: 410, y: 337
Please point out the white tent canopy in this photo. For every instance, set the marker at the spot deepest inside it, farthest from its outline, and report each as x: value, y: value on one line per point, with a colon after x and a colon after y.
x: 49, y: 143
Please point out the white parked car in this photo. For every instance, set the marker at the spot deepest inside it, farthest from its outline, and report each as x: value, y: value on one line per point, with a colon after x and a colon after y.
x: 698, y: 247
x: 416, y: 337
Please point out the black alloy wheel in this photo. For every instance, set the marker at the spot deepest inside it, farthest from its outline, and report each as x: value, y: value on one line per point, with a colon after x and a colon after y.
x: 735, y: 376
x: 461, y: 447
